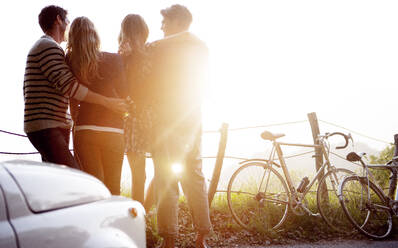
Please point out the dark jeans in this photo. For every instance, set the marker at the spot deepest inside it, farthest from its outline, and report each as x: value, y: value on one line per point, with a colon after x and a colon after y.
x: 101, y: 155
x: 53, y: 145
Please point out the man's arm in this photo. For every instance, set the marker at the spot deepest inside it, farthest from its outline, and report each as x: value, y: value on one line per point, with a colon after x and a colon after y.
x: 115, y: 104
x: 53, y: 65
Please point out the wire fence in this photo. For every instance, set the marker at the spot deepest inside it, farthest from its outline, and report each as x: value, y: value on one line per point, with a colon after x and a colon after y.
x: 241, y: 158
x: 232, y: 130
x: 11, y: 133
x: 357, y: 133
x: 269, y: 125
x: 19, y: 153
x: 224, y: 130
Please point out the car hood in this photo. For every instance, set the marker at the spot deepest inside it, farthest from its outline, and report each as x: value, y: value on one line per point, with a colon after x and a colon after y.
x: 47, y: 187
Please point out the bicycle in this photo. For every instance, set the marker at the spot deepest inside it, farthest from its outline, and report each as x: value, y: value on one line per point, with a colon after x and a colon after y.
x: 364, y: 202
x: 259, y: 196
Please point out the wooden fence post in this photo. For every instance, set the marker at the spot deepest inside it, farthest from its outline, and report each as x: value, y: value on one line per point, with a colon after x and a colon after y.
x: 219, y: 161
x: 318, y: 152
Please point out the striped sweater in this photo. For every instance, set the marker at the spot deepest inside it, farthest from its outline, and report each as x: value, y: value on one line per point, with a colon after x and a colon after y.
x: 48, y: 85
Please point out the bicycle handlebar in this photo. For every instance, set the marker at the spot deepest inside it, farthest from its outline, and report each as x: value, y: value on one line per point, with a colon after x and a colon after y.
x: 346, y: 138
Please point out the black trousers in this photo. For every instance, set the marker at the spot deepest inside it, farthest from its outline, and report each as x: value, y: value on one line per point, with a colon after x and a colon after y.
x: 53, y: 145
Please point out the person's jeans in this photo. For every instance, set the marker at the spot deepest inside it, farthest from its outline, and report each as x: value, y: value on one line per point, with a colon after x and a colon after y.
x: 101, y: 155
x: 175, y: 150
x: 53, y: 146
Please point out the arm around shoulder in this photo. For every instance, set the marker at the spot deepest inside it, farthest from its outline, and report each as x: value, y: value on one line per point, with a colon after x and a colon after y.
x: 115, y: 104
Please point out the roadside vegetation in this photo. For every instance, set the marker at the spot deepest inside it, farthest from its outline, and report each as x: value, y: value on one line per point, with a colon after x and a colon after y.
x: 226, y: 233
x: 297, y: 229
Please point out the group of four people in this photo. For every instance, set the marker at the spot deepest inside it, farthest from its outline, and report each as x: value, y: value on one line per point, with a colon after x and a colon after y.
x: 162, y: 79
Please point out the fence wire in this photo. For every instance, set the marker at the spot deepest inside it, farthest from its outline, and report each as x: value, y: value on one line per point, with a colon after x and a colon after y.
x: 343, y: 158
x: 240, y: 158
x: 11, y: 133
x: 372, y: 177
x: 230, y: 129
x: 19, y: 153
x: 355, y: 132
x: 260, y: 126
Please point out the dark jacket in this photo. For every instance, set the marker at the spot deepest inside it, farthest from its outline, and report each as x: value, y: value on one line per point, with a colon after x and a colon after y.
x: 111, y: 83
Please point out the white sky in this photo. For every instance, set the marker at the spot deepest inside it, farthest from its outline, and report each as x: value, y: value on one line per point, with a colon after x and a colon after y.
x: 271, y: 62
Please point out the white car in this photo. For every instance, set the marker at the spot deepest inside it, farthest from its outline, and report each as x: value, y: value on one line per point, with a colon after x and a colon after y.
x: 45, y: 205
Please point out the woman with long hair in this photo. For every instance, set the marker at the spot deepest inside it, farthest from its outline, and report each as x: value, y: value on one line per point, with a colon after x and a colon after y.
x: 98, y: 132
x: 132, y: 38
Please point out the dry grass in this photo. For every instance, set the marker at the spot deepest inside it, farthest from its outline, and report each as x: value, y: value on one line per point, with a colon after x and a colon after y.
x: 226, y: 233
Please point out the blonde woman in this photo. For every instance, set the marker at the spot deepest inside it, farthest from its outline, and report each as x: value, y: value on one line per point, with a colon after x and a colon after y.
x: 133, y: 35
x: 99, y: 134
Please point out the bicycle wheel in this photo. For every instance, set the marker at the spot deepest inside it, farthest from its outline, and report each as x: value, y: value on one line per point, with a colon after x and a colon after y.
x: 365, y: 207
x: 258, y: 197
x: 328, y: 202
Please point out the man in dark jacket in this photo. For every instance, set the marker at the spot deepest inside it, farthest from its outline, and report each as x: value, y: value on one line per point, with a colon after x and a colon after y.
x: 177, y: 80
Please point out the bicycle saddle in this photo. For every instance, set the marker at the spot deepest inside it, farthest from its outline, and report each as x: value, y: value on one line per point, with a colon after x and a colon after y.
x: 353, y: 156
x: 271, y: 136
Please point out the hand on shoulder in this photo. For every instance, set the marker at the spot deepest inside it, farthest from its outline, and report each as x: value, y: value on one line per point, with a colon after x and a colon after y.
x: 116, y: 104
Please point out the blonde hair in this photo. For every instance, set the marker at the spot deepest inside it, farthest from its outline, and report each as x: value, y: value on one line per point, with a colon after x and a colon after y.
x: 133, y: 34
x: 83, y: 49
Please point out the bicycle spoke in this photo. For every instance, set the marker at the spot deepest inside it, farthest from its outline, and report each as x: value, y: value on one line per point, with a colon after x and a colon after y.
x: 257, y: 197
x: 329, y: 205
x: 365, y: 207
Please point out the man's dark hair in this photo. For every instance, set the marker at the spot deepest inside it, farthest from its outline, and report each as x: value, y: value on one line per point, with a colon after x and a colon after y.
x: 49, y: 14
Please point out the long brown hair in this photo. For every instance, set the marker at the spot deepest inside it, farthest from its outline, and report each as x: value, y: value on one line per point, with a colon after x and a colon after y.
x: 133, y: 34
x: 83, y: 49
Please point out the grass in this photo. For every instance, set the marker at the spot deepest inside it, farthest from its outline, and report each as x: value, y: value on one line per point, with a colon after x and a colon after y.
x: 227, y: 233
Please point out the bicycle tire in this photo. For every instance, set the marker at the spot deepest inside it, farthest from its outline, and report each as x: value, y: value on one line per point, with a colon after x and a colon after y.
x: 330, y: 208
x: 372, y: 218
x: 258, y: 210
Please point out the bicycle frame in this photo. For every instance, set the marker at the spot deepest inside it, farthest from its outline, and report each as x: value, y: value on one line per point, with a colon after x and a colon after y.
x: 379, y: 166
x: 277, y: 147
x: 275, y: 190
x: 292, y: 190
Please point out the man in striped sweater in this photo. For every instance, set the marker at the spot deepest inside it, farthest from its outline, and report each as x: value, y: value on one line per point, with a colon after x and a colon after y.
x: 48, y: 86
